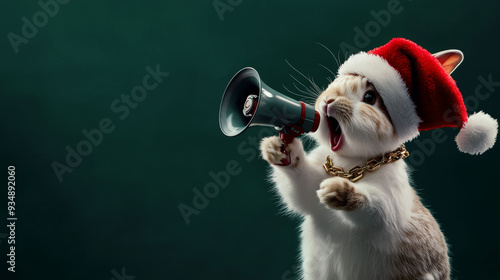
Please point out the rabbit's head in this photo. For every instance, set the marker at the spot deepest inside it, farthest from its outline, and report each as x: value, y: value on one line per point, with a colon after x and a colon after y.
x: 354, y: 120
x: 356, y: 123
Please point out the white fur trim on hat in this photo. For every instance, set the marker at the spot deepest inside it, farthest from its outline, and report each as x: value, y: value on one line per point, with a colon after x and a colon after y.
x: 391, y: 88
x: 478, y: 134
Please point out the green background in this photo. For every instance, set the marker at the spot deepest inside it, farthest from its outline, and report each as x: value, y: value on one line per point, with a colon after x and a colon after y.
x: 119, y: 207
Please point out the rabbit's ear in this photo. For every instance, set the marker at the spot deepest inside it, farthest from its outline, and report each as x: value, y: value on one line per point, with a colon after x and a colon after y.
x: 449, y: 59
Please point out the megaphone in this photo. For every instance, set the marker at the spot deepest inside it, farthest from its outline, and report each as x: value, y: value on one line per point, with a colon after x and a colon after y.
x: 248, y: 102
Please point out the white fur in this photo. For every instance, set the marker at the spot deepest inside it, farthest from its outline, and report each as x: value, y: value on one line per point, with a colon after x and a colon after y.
x: 478, y: 134
x: 359, y: 244
x: 339, y: 244
x: 391, y: 87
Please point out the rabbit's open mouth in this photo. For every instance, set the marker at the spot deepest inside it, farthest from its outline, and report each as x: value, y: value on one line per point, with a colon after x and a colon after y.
x: 335, y: 133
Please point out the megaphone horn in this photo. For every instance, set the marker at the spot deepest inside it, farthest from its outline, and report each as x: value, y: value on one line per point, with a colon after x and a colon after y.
x: 248, y: 101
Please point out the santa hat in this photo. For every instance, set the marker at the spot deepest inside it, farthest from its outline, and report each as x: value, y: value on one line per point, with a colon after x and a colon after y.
x: 420, y: 94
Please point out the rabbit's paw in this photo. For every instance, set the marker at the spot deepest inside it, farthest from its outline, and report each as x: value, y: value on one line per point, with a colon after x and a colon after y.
x: 340, y: 194
x: 275, y: 151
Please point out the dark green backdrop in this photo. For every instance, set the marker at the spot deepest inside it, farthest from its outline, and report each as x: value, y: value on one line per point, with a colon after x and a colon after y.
x: 119, y: 207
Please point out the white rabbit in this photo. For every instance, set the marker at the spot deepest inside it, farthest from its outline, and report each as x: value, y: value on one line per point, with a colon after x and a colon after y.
x: 374, y: 228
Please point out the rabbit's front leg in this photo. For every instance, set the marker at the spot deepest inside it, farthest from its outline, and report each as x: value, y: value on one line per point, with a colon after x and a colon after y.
x: 296, y: 178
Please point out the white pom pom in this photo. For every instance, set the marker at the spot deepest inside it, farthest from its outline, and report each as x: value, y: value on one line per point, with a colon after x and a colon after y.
x: 478, y: 135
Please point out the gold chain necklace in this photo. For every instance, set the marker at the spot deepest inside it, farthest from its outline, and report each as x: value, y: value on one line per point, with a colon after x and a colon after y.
x: 373, y: 164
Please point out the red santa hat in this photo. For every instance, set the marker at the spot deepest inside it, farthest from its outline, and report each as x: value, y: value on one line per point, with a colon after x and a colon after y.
x: 420, y: 94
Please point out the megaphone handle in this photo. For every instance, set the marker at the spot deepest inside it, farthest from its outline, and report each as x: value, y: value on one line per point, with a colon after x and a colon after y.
x: 287, y: 139
x: 287, y: 135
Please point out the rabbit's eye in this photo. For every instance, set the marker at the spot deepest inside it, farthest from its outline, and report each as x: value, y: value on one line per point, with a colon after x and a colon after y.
x: 370, y: 97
